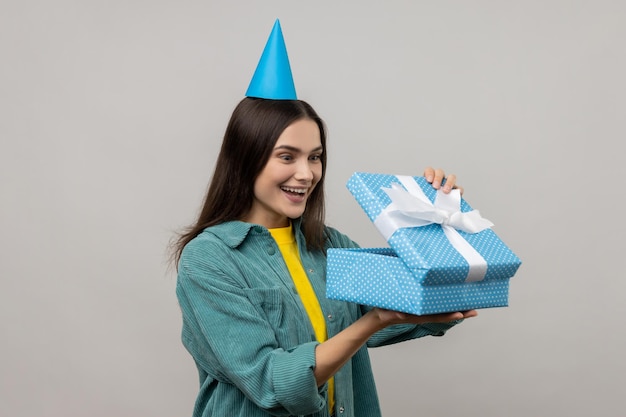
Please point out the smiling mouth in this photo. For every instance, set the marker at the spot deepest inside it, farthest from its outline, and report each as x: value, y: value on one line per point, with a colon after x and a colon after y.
x: 294, y: 191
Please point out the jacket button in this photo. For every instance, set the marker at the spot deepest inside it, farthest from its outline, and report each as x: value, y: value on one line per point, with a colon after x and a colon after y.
x: 271, y: 250
x: 311, y: 270
x: 330, y: 317
x: 341, y: 409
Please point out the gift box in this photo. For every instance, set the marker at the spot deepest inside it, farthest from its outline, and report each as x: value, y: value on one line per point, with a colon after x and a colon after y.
x: 443, y: 255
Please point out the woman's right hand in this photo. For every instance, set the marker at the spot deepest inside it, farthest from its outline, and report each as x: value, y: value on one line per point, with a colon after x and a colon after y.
x: 336, y: 351
x: 389, y: 317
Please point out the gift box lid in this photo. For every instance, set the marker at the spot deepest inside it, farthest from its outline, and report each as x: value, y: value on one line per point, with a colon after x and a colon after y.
x: 450, y: 255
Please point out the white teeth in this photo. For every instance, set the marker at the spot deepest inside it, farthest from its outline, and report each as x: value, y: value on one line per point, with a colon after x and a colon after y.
x: 294, y: 190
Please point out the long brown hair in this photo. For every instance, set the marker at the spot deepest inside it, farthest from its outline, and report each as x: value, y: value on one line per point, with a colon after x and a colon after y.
x: 250, y: 136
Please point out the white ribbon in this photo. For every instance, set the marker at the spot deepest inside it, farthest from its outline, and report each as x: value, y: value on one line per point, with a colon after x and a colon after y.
x: 411, y: 208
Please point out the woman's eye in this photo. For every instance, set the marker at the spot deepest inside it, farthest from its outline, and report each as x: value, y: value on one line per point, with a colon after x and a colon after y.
x: 315, y: 157
x: 285, y: 157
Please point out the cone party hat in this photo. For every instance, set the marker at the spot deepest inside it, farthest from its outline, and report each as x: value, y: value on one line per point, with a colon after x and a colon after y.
x: 272, y: 78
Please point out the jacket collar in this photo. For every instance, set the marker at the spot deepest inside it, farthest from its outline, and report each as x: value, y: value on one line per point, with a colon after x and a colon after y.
x: 233, y: 233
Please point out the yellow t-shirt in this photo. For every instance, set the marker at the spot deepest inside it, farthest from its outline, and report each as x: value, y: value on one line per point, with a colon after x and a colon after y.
x: 286, y: 242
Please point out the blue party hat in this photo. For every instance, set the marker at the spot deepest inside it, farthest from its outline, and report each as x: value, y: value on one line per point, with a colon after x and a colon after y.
x: 272, y: 78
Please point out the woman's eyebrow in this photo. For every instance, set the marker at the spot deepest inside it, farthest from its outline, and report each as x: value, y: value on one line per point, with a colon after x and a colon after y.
x: 295, y: 149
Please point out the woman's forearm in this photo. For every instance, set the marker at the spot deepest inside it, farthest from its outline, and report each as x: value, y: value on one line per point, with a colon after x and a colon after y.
x: 336, y: 351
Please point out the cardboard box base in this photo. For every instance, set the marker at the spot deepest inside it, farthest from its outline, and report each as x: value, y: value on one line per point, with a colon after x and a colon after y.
x: 377, y: 277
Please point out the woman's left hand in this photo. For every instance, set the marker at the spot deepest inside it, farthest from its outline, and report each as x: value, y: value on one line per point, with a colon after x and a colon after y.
x: 437, y: 176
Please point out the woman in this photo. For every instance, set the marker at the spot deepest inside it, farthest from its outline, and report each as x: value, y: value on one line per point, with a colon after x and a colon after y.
x: 251, y: 279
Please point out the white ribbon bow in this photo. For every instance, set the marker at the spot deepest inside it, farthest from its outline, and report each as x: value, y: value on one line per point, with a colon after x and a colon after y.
x: 411, y: 208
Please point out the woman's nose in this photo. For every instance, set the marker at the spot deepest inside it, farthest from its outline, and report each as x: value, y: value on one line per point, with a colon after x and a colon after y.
x: 304, y: 171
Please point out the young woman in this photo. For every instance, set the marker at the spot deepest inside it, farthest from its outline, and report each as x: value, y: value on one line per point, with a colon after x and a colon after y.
x: 251, y: 279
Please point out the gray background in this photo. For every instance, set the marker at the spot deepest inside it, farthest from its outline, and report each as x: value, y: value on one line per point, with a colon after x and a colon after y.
x: 111, y: 114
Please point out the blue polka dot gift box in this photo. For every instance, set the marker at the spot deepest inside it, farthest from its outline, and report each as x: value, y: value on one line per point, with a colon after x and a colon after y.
x: 443, y: 255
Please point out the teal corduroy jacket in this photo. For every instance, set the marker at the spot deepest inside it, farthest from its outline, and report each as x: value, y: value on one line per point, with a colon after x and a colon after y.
x: 250, y: 336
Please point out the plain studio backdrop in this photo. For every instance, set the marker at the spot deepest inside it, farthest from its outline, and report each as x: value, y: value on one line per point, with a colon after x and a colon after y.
x: 111, y: 116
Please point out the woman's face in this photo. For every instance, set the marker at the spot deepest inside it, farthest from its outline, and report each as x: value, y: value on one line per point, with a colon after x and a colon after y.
x: 293, y: 170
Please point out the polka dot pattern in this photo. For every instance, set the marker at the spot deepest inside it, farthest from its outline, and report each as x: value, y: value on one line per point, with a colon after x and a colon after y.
x: 421, y: 273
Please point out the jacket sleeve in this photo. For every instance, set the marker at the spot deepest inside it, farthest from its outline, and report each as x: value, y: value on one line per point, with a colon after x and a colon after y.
x: 401, y: 333
x: 235, y: 344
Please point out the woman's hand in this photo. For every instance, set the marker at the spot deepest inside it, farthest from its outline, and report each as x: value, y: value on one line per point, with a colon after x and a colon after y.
x: 336, y: 351
x: 389, y: 317
x: 436, y: 177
